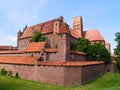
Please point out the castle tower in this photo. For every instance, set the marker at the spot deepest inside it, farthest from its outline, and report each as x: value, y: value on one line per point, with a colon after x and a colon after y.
x: 57, y: 24
x: 64, y: 47
x: 77, y: 25
x: 64, y: 43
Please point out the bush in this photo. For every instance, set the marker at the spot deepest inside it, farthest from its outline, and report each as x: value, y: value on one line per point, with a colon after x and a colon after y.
x: 9, y: 73
x: 98, y: 52
x: 16, y: 75
x: 3, y: 72
x: 82, y: 44
x: 56, y: 46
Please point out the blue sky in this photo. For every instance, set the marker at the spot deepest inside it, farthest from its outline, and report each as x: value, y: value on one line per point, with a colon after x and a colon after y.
x: 97, y: 14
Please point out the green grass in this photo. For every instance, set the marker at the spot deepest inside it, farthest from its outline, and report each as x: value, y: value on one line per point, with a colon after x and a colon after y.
x: 109, y: 81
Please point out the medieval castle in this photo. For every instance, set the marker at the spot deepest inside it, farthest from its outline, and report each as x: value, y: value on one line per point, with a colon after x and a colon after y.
x: 42, y: 61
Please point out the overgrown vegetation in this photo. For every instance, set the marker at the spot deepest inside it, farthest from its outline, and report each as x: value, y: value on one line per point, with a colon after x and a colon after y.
x: 95, y: 52
x: 82, y: 44
x: 56, y: 46
x: 117, y: 51
x: 9, y: 73
x: 98, y: 52
x: 118, y: 63
x: 4, y: 72
x: 38, y: 37
x: 16, y: 75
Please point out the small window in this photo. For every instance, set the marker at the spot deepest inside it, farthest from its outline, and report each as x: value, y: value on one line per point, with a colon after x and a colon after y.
x: 41, y: 59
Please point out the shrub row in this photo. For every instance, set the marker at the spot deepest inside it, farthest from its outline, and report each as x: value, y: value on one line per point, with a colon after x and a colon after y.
x: 8, y: 73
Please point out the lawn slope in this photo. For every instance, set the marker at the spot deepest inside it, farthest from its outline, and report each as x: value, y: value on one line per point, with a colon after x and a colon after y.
x: 109, y: 81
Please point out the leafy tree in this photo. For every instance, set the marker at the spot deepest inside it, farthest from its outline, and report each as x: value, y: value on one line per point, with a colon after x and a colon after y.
x: 38, y: 37
x: 82, y: 44
x: 118, y: 63
x: 98, y: 52
x: 117, y: 50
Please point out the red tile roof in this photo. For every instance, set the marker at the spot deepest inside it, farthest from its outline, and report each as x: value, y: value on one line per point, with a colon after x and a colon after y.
x: 93, y: 35
x: 84, y: 63
x: 18, y: 59
x: 51, y: 50
x: 32, y: 47
x: 64, y: 28
x: 35, y: 46
x: 74, y: 33
x: 7, y: 48
x: 45, y: 27
x: 11, y: 52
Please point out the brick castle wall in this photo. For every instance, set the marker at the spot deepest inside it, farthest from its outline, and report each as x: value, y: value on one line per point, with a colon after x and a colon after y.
x: 90, y: 72
x: 78, y: 57
x: 59, y: 75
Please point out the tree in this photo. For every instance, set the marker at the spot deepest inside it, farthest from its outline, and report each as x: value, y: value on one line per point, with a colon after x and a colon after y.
x: 38, y: 37
x: 98, y: 52
x: 118, y: 63
x: 82, y: 44
x: 117, y: 39
x: 72, y: 45
x: 117, y: 51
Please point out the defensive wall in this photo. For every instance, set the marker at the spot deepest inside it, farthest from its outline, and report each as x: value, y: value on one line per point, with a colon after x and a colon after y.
x: 59, y: 73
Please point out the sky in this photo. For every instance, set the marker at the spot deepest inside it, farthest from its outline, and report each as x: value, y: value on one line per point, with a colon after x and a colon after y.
x: 103, y: 15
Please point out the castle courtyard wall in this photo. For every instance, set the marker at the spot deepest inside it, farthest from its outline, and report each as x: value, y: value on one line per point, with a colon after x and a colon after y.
x: 51, y: 56
x: 59, y: 75
x: 78, y: 57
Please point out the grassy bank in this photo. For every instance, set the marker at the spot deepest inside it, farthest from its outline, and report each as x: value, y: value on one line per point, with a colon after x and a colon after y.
x: 108, y: 81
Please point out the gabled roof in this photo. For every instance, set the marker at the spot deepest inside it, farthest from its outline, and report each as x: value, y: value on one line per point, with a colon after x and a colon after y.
x: 74, y: 33
x: 64, y: 28
x: 18, y: 59
x: 45, y: 27
x: 93, y: 35
x: 35, y: 46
